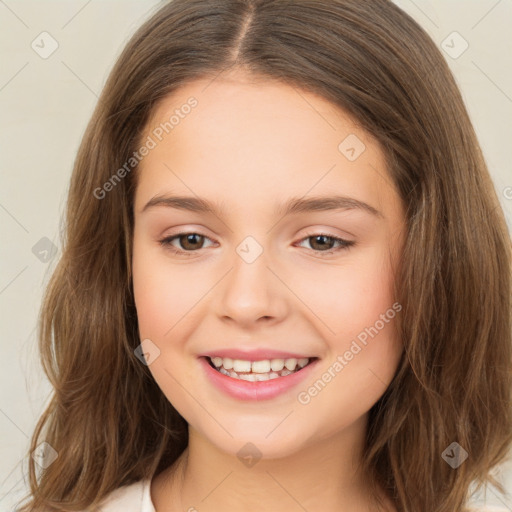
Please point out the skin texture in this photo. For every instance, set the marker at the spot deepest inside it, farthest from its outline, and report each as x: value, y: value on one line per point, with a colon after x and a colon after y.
x: 251, y: 145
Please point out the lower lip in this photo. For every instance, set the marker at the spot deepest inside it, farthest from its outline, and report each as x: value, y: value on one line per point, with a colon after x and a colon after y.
x: 261, y: 390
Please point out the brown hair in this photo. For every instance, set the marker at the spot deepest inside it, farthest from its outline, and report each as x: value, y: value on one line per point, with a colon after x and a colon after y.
x: 108, y: 420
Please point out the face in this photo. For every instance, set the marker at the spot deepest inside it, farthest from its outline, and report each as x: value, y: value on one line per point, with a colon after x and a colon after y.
x: 292, y: 263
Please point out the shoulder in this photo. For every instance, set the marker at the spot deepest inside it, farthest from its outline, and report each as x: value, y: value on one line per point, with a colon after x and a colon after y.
x: 134, y: 497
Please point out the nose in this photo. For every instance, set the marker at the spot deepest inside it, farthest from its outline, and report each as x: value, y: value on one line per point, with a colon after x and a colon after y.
x: 252, y: 293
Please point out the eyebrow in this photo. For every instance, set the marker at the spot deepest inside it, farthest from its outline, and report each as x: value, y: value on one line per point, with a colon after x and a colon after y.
x: 294, y: 205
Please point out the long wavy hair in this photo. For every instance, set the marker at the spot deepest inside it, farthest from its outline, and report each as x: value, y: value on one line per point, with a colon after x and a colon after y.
x: 109, y: 422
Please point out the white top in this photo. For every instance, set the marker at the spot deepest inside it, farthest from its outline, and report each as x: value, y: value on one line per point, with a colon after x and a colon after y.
x: 136, y: 497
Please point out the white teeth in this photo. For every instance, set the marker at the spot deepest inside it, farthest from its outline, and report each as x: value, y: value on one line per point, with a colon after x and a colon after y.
x: 277, y: 365
x: 257, y: 371
x: 248, y: 376
x: 303, y: 362
x: 241, y: 366
x: 261, y: 366
x: 290, y: 364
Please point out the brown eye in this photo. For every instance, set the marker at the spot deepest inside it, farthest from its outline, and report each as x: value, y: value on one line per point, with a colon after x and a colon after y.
x: 191, y: 241
x: 322, y: 242
x: 188, y: 242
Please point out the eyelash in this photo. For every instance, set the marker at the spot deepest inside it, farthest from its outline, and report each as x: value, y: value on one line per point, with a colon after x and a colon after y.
x: 166, y: 243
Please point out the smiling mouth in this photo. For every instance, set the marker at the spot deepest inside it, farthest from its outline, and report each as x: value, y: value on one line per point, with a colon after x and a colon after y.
x: 258, y: 371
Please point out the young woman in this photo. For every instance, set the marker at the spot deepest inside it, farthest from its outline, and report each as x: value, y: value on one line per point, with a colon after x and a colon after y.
x: 286, y: 277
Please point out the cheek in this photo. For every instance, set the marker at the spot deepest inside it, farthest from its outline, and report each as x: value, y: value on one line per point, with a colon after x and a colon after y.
x: 369, y: 332
x: 350, y: 296
x: 357, y: 309
x: 363, y: 350
x: 157, y: 291
x: 160, y: 305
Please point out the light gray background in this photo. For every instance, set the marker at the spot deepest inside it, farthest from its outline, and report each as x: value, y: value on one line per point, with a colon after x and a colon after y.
x: 45, y: 104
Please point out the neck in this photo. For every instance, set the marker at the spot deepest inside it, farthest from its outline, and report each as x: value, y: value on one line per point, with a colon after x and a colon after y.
x: 323, y: 476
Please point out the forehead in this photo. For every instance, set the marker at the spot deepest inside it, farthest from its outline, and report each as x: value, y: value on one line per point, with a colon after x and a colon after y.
x: 261, y: 140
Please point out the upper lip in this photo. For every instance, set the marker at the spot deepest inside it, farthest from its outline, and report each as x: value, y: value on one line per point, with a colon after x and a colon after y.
x: 253, y: 355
